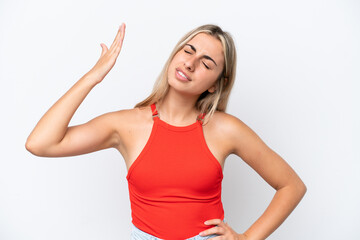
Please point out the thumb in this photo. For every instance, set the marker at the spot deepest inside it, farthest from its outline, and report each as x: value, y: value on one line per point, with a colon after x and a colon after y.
x: 104, y: 49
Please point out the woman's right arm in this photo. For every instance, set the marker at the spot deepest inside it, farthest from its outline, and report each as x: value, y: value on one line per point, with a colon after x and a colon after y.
x: 52, y: 137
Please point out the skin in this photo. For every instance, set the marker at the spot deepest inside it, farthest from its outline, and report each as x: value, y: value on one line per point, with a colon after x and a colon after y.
x: 128, y: 130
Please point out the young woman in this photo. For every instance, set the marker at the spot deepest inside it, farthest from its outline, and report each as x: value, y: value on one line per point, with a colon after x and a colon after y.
x: 175, y: 142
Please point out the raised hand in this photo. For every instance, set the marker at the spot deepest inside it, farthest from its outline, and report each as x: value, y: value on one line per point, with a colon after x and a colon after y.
x: 108, y: 56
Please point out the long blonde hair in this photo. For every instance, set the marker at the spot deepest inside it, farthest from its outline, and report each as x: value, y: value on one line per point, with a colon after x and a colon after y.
x: 207, y: 102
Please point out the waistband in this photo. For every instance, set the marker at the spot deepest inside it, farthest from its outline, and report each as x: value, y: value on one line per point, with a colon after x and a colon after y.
x: 138, y: 234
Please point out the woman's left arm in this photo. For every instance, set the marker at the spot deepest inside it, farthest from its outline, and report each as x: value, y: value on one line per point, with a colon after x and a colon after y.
x: 274, y: 170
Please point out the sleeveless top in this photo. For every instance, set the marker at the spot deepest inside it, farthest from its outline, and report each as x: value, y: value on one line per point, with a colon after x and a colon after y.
x: 175, y: 182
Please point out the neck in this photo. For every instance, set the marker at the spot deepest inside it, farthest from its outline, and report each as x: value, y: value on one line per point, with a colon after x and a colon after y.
x: 177, y: 108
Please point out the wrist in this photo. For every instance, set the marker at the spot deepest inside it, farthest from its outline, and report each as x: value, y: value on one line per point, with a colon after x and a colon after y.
x: 243, y: 236
x: 91, y: 79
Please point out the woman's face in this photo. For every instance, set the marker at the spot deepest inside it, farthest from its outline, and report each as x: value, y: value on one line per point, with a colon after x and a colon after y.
x: 197, y: 66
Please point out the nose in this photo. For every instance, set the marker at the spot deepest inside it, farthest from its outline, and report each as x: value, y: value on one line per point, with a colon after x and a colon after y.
x: 189, y: 63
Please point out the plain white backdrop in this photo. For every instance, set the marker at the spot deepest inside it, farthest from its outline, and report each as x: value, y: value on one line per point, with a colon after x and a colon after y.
x: 297, y: 87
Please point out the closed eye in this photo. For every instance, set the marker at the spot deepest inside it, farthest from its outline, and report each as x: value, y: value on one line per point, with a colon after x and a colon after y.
x: 206, y: 66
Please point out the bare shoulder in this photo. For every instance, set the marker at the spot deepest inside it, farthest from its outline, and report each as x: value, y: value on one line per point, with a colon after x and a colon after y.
x: 129, y: 123
x: 126, y: 121
x: 246, y: 144
x: 229, y: 129
x: 127, y: 117
x: 226, y: 122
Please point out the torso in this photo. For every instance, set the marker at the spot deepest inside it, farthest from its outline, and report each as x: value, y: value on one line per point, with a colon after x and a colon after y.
x: 139, y: 122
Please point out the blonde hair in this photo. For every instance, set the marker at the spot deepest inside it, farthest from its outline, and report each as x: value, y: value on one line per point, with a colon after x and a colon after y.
x: 207, y: 102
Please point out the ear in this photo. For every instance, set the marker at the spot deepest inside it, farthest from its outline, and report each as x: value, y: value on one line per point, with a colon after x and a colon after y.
x: 212, y: 89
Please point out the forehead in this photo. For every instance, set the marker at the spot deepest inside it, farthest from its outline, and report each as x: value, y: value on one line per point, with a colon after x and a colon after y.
x: 209, y: 45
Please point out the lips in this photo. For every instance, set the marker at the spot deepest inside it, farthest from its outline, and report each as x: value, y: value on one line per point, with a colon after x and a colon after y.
x: 180, y: 74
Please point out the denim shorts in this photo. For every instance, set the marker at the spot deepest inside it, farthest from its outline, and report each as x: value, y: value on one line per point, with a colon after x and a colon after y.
x: 137, y: 234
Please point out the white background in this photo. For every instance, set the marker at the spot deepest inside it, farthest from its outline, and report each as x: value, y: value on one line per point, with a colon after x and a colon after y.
x: 297, y: 87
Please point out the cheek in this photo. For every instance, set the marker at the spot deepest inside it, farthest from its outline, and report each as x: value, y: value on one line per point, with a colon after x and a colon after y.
x: 176, y: 58
x: 209, y: 77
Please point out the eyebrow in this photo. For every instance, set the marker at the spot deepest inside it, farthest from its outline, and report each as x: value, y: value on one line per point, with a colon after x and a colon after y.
x: 205, y: 56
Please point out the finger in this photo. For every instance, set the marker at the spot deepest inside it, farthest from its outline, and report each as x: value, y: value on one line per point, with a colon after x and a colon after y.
x: 117, y: 37
x: 213, y: 222
x: 118, y: 44
x: 215, y: 230
x: 104, y: 49
x: 123, y: 30
x: 123, y: 33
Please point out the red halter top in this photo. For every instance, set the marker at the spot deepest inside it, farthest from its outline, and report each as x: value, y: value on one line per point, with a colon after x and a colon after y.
x: 175, y: 182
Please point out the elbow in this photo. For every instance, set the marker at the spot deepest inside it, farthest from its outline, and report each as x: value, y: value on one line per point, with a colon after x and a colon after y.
x: 296, y: 187
x: 30, y: 146
x: 303, y: 188
x: 300, y: 188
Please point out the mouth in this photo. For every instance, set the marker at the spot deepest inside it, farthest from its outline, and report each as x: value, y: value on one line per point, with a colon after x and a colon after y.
x: 181, y: 75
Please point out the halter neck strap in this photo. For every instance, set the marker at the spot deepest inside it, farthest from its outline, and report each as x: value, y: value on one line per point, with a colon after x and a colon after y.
x: 154, y: 110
